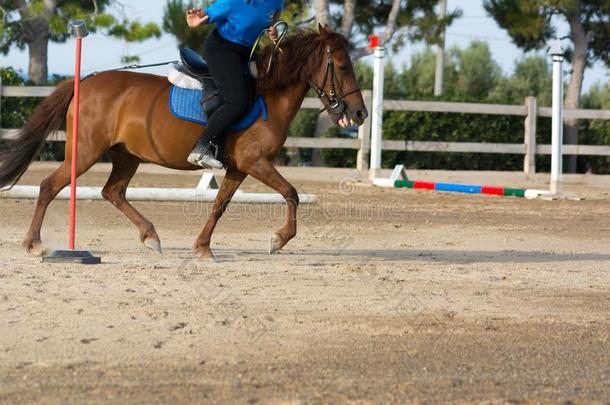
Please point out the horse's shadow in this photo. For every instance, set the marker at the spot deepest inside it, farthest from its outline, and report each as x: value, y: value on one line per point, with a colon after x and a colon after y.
x: 308, y: 256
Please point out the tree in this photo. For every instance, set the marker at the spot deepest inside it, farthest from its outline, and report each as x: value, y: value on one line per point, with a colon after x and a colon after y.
x: 471, y: 73
x: 598, y: 97
x: 413, y: 20
x: 418, y: 78
x: 530, y: 23
x: 531, y: 77
x: 349, y: 15
x: 174, y: 22
x: 322, y: 11
x: 33, y: 23
x: 478, y: 72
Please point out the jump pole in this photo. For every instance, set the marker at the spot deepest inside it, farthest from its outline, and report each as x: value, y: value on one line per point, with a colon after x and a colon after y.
x: 399, y: 179
x: 377, y: 118
x: 79, y: 29
x: 205, y: 191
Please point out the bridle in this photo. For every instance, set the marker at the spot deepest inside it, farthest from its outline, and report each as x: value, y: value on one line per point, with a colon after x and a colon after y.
x: 336, y: 105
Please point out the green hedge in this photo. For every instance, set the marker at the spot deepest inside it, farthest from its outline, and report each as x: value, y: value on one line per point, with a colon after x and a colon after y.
x: 15, y: 111
x: 452, y: 127
x: 449, y: 127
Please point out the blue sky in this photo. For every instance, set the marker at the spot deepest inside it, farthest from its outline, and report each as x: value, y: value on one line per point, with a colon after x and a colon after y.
x: 104, y: 53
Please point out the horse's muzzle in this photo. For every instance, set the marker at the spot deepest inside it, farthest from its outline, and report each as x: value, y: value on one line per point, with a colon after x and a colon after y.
x: 360, y: 116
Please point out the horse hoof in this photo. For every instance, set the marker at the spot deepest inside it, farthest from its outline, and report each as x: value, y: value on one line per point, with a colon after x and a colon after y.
x: 153, y: 244
x: 35, y: 248
x: 275, y: 244
x: 210, y: 258
x: 207, y: 256
x: 205, y: 253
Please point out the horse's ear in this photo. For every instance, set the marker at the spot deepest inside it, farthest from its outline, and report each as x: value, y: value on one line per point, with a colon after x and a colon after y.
x: 324, y: 30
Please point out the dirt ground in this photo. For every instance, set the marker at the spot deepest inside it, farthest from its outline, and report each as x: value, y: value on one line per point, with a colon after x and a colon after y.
x: 393, y: 296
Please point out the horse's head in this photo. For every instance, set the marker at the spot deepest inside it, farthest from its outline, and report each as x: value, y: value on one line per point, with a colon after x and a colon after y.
x: 335, y: 81
x: 321, y: 60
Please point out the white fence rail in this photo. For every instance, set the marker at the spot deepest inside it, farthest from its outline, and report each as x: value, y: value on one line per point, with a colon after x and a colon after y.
x: 528, y: 148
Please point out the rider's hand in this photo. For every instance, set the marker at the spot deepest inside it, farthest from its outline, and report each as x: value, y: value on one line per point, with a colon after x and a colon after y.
x: 273, y: 34
x: 195, y: 17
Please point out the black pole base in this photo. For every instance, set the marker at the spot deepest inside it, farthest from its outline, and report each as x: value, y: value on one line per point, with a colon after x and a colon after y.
x: 72, y: 256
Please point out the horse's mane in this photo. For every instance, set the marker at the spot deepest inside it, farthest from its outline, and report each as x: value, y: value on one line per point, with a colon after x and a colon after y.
x: 302, y: 54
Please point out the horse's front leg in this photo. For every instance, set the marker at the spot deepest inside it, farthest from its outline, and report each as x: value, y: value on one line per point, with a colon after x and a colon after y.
x: 229, y: 185
x: 266, y: 173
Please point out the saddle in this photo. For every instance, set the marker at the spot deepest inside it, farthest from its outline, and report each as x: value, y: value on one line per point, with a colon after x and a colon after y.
x: 194, y: 96
x: 195, y: 66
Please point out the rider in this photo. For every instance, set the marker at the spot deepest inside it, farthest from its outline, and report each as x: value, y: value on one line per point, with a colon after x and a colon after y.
x: 227, y: 49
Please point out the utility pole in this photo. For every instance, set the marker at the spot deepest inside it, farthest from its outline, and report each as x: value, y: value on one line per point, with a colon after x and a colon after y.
x: 440, y: 55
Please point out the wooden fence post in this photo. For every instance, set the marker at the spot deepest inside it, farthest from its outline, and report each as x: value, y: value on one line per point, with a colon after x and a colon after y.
x: 529, y: 164
x: 364, y: 135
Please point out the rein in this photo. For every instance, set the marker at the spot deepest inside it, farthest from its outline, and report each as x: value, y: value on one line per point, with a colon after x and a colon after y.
x: 130, y: 67
x: 252, y: 63
x: 336, y: 105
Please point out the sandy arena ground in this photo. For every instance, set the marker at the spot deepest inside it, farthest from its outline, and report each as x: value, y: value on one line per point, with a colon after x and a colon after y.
x: 393, y: 296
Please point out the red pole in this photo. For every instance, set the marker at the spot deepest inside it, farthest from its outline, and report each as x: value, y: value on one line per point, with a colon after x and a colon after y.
x: 75, y: 144
x: 373, y: 41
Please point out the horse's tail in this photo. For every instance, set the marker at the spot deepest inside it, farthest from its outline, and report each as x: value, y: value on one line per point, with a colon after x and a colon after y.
x: 49, y: 116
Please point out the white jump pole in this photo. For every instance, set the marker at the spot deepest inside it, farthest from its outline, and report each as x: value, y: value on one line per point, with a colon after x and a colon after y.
x: 158, y: 194
x: 377, y: 119
x: 556, y: 51
x: 205, y: 191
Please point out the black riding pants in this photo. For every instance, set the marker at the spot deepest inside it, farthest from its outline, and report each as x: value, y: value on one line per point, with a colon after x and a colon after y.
x: 227, y: 62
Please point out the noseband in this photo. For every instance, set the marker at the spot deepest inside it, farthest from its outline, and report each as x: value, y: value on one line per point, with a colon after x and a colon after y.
x: 336, y: 105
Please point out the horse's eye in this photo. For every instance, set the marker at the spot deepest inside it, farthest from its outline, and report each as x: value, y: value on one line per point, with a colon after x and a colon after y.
x: 343, y: 68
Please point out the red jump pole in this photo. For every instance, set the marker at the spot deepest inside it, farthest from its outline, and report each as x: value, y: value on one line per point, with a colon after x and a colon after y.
x: 79, y: 43
x: 79, y: 29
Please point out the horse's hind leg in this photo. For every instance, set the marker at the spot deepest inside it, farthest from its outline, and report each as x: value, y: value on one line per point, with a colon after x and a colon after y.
x: 49, y: 188
x: 229, y: 185
x: 124, y: 166
x: 266, y: 173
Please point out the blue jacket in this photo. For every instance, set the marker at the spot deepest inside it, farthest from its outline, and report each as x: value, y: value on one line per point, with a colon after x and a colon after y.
x: 242, y: 21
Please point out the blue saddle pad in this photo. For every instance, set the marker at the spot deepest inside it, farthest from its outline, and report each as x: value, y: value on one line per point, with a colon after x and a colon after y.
x: 185, y: 105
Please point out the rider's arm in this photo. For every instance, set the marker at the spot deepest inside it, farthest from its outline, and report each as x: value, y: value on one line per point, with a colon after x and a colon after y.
x: 219, y: 11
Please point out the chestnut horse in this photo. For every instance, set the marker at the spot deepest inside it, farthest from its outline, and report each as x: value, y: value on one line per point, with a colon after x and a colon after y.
x: 127, y: 115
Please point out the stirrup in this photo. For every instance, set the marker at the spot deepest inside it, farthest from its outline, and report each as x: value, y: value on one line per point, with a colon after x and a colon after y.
x: 205, y: 161
x: 202, y: 157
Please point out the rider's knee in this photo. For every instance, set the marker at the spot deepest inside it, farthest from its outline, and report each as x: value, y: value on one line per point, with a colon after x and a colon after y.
x: 238, y: 105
